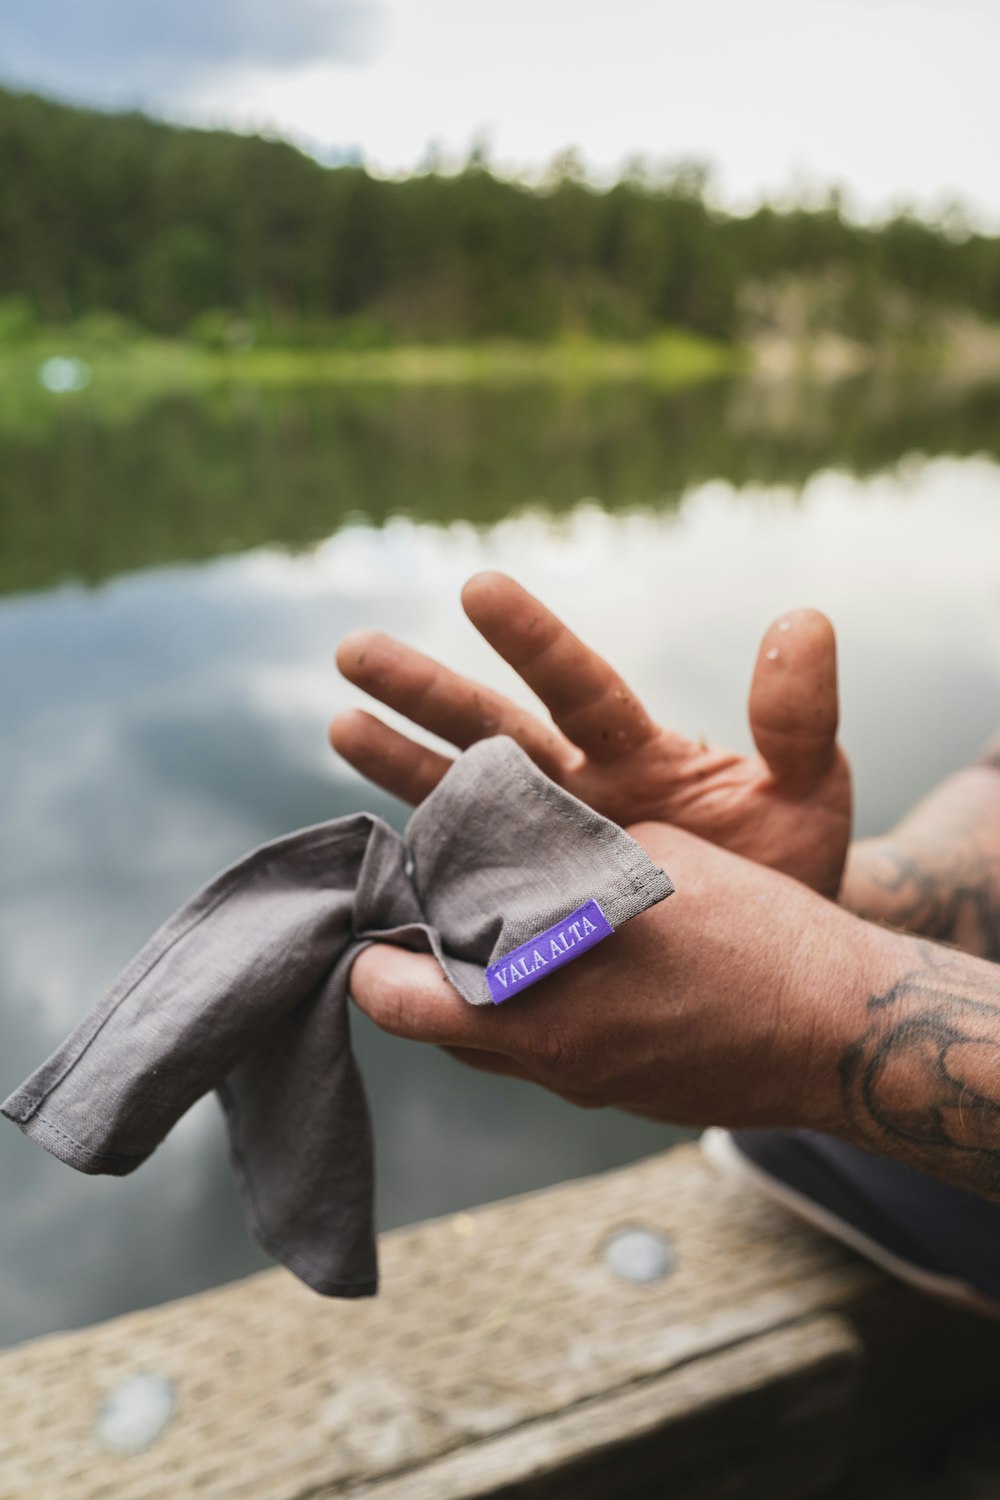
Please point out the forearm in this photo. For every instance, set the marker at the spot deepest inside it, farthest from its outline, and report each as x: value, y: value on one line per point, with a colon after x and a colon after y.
x: 938, y: 873
x: 911, y: 1058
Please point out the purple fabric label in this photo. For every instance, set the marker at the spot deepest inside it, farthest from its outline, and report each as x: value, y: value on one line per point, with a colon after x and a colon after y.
x: 548, y: 951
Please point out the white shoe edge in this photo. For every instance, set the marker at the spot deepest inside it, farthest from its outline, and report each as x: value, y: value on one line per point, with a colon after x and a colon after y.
x: 719, y: 1148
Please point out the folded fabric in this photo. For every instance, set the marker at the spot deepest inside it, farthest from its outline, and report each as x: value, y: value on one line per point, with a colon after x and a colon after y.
x: 244, y: 990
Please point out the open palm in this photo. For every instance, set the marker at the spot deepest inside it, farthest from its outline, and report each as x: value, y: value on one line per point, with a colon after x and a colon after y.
x: 789, y: 806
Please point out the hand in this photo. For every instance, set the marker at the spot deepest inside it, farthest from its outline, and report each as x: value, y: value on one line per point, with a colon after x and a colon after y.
x: 789, y: 806
x: 730, y: 1003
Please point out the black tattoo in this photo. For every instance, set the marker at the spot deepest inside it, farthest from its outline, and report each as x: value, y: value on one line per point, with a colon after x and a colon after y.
x: 950, y: 894
x: 923, y: 1082
x: 938, y: 874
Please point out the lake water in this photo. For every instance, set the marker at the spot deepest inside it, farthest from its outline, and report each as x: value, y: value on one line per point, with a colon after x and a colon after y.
x: 175, y: 576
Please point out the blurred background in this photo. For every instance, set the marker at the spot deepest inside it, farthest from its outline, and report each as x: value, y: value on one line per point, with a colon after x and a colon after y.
x: 683, y: 314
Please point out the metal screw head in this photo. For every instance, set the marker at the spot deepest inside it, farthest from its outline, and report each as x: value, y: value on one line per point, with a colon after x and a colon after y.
x: 639, y: 1255
x: 135, y: 1413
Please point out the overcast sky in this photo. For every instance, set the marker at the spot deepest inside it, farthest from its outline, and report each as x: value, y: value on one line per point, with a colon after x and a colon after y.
x: 895, y: 99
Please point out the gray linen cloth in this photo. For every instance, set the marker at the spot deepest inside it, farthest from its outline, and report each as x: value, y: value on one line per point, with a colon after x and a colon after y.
x: 244, y: 990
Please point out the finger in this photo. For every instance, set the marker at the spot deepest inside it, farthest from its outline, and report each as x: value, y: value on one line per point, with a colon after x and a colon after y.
x: 407, y: 995
x: 385, y: 756
x: 793, y: 699
x: 585, y: 696
x: 443, y: 702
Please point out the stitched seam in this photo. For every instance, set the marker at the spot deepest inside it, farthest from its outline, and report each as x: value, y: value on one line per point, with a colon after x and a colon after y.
x: 593, y: 824
x: 638, y: 871
x: 233, y: 884
x: 295, y: 1259
x: 88, y: 1151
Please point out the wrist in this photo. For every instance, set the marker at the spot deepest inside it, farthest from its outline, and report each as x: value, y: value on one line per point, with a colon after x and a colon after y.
x: 841, y: 962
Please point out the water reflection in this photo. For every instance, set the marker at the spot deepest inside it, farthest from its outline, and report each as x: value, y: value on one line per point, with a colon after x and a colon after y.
x: 89, y: 489
x: 156, y: 727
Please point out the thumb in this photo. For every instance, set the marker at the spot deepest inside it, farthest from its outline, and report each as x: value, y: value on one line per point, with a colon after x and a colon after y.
x: 407, y: 995
x: 793, y: 699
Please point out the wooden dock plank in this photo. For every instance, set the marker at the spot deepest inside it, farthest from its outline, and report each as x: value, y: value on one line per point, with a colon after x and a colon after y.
x: 502, y: 1324
x: 663, y: 1436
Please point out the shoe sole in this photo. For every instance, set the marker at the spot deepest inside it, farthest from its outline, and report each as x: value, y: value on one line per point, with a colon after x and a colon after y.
x: 720, y: 1150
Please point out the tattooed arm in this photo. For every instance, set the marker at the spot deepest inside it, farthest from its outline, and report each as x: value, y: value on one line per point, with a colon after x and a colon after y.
x: 938, y: 872
x: 922, y: 1080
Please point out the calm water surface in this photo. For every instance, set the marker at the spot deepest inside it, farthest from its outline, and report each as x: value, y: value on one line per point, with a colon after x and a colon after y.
x: 175, y: 578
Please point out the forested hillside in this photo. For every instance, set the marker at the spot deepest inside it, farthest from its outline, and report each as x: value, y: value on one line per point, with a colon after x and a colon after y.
x: 180, y: 230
